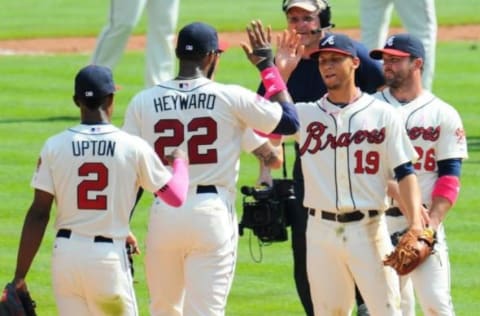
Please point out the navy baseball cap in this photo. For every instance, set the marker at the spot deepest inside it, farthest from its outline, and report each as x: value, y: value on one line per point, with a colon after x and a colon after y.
x: 198, y: 38
x: 401, y: 45
x: 94, y: 81
x: 337, y: 43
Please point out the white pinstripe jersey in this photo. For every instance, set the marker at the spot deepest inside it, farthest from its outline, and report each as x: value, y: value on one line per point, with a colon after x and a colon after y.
x: 94, y: 172
x: 206, y: 119
x: 435, y: 130
x: 348, y: 154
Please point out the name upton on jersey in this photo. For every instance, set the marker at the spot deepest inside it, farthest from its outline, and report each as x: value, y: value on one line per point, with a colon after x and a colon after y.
x: 184, y: 102
x: 93, y: 148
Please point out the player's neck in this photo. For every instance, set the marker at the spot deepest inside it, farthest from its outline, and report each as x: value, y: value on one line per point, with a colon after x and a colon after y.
x: 188, y: 77
x: 407, y: 92
x: 190, y: 70
x: 345, y: 96
x: 95, y: 118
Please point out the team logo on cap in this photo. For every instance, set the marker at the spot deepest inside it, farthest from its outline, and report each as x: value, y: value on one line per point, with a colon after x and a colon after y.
x: 390, y: 41
x: 329, y: 40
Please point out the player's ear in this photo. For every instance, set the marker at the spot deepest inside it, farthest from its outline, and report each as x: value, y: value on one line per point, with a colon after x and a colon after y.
x: 419, y: 63
x: 356, y: 62
x: 211, y: 62
x: 108, y: 101
x: 208, y: 60
x: 110, y: 105
x: 75, y: 100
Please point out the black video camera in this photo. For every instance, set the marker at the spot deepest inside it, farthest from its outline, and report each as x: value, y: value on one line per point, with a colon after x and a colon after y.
x: 266, y: 209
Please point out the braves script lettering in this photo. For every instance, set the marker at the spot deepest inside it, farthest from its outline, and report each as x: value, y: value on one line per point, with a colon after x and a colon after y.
x: 318, y: 139
x: 429, y: 133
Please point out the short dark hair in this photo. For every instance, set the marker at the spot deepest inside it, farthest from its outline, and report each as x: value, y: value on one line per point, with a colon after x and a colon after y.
x: 93, y: 103
x: 190, y: 56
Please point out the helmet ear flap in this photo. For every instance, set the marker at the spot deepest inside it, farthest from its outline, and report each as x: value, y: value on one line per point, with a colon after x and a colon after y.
x: 325, y: 15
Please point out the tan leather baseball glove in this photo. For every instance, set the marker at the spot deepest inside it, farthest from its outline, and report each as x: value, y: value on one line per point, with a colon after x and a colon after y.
x: 412, y: 250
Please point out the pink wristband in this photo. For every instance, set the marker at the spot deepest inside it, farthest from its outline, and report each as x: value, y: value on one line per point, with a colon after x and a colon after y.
x: 272, y: 81
x: 447, y: 187
x: 270, y: 136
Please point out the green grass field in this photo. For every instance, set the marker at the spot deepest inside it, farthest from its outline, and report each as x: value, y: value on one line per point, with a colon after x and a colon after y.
x: 36, y: 103
x: 30, y: 18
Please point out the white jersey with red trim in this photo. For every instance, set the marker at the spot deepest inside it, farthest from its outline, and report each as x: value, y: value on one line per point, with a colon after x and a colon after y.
x: 348, y: 154
x: 94, y: 172
x: 435, y: 130
x: 207, y: 120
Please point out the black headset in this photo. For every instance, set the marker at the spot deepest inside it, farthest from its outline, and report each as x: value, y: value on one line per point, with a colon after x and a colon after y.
x: 325, y: 15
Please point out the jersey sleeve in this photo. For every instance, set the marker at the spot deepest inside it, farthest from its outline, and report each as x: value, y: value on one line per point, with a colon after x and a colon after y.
x: 254, y: 110
x: 152, y: 173
x: 251, y: 140
x: 452, y: 142
x: 42, y: 178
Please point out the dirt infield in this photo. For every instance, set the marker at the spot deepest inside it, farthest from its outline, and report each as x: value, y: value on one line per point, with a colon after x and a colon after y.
x: 86, y: 44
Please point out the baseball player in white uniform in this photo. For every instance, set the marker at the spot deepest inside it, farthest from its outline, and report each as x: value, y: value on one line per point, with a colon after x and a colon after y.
x: 350, y: 146
x: 419, y: 19
x: 436, y: 131
x: 124, y: 15
x: 93, y: 172
x: 191, y: 252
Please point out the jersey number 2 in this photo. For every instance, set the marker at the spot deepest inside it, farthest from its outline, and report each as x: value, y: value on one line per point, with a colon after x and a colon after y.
x: 176, y: 136
x: 97, y: 202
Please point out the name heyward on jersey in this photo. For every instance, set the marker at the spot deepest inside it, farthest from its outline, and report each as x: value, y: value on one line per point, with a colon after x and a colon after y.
x: 184, y: 102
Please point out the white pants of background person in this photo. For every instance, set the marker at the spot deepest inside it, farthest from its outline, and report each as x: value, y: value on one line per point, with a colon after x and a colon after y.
x: 123, y: 17
x: 418, y: 18
x: 431, y: 280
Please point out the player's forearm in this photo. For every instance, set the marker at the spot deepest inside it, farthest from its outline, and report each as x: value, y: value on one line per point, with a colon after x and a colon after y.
x: 411, y: 197
x: 174, y: 193
x: 394, y: 192
x: 31, y: 238
x: 269, y: 155
x: 265, y: 176
x: 285, y: 73
x: 438, y: 210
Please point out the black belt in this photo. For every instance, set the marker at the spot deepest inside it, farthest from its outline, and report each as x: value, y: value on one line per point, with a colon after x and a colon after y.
x: 206, y: 189
x: 344, y: 217
x: 394, y: 212
x: 66, y: 233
